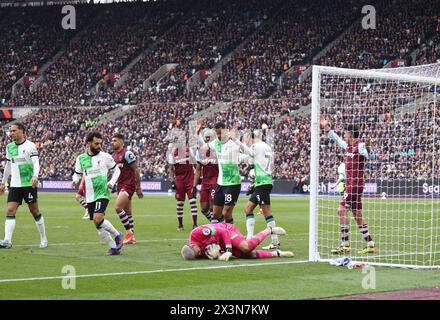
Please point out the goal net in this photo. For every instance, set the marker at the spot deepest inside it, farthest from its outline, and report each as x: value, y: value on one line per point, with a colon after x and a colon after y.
x: 390, y: 194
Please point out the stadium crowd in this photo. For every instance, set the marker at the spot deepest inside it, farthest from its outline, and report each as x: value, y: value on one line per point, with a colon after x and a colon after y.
x: 396, y: 35
x: 97, y: 52
x: 258, y: 68
x: 196, y: 36
x: 59, y: 138
x: 27, y: 43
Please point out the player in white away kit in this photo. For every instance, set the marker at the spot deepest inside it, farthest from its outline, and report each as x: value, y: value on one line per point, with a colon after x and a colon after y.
x: 23, y: 167
x: 260, y: 154
x: 94, y: 165
x: 229, y: 178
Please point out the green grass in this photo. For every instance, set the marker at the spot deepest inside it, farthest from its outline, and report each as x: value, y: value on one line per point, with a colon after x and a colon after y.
x: 75, y: 242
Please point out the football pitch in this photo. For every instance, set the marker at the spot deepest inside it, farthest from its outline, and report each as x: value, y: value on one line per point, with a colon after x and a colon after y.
x: 154, y: 269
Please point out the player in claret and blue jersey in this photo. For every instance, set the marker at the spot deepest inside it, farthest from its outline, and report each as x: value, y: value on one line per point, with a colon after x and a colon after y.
x: 128, y: 183
x: 356, y: 154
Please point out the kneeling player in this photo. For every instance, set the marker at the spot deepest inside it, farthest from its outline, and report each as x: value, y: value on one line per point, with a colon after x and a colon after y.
x: 231, y: 242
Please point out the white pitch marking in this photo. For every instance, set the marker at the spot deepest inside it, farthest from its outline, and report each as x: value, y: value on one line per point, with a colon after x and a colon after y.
x: 91, y: 243
x: 154, y: 271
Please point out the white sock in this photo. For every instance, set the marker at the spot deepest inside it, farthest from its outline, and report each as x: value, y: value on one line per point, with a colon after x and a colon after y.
x: 9, y: 229
x: 106, y: 225
x: 274, y: 237
x: 107, y: 238
x: 41, y: 229
x: 250, y: 226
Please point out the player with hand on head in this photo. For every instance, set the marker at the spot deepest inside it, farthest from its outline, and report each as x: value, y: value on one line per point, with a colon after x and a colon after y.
x: 94, y: 165
x: 230, y: 242
x: 356, y: 153
x: 128, y: 183
x: 23, y: 167
x: 260, y: 154
x: 229, y: 178
x: 207, y: 171
x: 181, y: 160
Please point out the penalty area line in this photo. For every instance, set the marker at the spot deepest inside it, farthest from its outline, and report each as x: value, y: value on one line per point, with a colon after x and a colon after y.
x: 248, y: 265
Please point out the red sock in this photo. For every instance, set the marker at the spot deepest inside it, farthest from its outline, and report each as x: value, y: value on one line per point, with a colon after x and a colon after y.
x: 261, y: 254
x: 257, y: 239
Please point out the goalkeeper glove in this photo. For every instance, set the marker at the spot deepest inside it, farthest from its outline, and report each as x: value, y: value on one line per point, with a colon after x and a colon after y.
x: 225, y: 256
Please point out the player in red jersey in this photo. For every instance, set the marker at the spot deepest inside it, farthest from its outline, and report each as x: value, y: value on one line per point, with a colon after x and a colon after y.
x: 356, y: 153
x: 181, y: 171
x: 207, y: 169
x: 231, y: 242
x: 80, y: 197
x: 128, y: 183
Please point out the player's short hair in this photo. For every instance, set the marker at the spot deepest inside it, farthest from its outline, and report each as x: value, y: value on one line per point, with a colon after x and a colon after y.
x: 220, y: 125
x: 188, y: 252
x: 20, y: 126
x: 354, y: 129
x: 118, y: 136
x: 93, y: 134
x: 257, y: 134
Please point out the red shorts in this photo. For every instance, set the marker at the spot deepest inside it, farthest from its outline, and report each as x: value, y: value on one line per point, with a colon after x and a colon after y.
x: 127, y: 189
x: 184, y: 188
x: 207, y: 192
x: 352, y: 199
x: 82, y: 189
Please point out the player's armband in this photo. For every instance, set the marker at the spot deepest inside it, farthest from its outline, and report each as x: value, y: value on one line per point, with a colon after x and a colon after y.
x: 130, y: 157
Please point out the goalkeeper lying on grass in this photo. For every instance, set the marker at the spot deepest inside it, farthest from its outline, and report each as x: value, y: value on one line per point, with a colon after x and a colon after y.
x: 223, y: 240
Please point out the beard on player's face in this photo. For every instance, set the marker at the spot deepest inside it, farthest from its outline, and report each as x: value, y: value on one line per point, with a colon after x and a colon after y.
x: 94, y: 150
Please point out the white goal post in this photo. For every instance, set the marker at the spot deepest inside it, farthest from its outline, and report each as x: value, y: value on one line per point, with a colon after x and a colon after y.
x: 398, y: 212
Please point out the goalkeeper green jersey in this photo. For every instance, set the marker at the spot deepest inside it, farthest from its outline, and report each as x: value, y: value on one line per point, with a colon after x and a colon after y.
x: 22, y: 166
x: 95, y: 170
